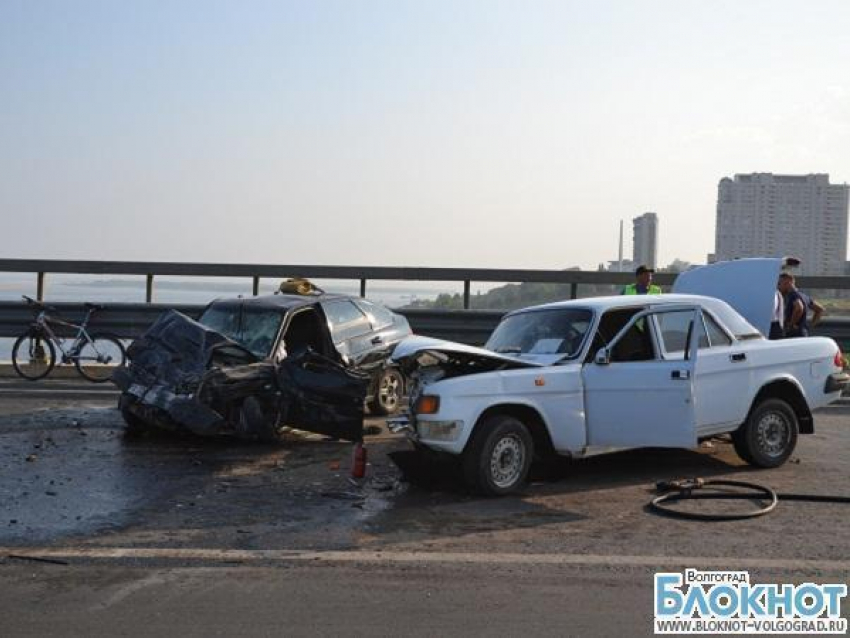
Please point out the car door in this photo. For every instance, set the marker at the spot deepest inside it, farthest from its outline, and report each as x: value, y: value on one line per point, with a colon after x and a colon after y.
x: 320, y: 395
x: 634, y: 397
x: 350, y: 329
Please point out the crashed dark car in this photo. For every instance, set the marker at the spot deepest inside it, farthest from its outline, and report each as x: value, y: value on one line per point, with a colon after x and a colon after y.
x: 251, y: 366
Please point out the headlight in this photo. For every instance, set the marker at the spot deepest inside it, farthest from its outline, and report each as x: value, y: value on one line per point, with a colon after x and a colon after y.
x: 439, y: 430
x: 427, y: 404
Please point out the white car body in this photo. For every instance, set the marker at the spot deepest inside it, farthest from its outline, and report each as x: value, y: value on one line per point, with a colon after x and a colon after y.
x: 589, y: 404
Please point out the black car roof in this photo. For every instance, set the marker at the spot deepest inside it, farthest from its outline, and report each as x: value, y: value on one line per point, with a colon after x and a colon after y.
x: 276, y: 302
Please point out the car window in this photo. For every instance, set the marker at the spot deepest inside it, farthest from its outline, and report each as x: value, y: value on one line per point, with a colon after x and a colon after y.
x: 346, y: 320
x: 223, y: 318
x: 673, y: 328
x: 259, y: 330
x: 715, y: 332
x: 556, y: 331
x: 255, y: 329
x: 378, y: 315
x: 635, y: 344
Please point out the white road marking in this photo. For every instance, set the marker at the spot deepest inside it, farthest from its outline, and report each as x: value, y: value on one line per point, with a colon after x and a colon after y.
x: 364, y: 556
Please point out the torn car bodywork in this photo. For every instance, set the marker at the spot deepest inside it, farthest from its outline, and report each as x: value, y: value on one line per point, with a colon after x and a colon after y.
x: 185, y: 375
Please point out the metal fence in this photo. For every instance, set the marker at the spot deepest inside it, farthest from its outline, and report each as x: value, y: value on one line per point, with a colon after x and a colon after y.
x: 128, y: 320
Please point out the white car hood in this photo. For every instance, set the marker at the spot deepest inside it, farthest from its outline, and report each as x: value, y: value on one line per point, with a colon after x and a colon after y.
x: 748, y: 285
x: 412, y: 347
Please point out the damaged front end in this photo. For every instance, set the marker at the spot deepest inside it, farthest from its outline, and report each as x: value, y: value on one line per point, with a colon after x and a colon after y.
x: 185, y: 376
x: 425, y: 361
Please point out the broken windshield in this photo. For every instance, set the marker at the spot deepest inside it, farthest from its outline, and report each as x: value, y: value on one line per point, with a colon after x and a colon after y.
x: 254, y: 328
x: 553, y: 331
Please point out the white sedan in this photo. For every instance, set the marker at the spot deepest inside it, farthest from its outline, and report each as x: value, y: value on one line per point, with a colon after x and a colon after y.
x: 588, y: 376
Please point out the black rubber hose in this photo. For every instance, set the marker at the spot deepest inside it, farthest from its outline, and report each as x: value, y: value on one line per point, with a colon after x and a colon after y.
x: 690, y: 489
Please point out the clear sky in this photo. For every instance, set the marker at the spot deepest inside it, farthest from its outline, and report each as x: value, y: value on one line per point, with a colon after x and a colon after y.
x: 442, y: 133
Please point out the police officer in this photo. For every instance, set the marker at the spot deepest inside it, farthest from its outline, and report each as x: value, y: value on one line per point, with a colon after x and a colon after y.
x: 643, y: 283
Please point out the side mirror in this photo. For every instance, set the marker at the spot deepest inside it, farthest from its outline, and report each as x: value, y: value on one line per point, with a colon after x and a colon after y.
x: 603, y: 357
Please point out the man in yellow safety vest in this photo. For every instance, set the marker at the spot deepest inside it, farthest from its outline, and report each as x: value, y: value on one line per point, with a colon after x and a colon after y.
x: 643, y: 283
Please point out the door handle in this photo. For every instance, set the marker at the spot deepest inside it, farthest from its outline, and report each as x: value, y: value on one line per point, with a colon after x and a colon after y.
x: 376, y: 340
x: 680, y: 375
x: 738, y: 356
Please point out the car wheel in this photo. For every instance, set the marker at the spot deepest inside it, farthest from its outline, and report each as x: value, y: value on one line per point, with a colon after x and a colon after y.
x: 769, y: 435
x: 254, y: 424
x: 135, y: 425
x: 389, y: 392
x: 499, y: 455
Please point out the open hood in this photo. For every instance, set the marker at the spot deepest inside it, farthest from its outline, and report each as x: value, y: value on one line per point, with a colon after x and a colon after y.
x: 423, y: 352
x: 748, y: 285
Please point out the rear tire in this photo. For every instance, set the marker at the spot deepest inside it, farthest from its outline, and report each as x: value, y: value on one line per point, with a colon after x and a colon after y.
x: 498, y: 457
x: 769, y: 435
x: 33, y: 356
x: 99, y: 357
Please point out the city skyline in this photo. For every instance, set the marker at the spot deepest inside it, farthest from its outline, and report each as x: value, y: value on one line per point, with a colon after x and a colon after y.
x: 470, y: 134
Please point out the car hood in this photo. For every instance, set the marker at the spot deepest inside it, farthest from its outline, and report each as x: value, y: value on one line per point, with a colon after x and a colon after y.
x: 422, y: 352
x: 748, y: 285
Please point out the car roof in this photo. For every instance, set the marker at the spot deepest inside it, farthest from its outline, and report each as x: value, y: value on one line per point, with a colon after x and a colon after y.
x: 277, y: 302
x: 720, y: 309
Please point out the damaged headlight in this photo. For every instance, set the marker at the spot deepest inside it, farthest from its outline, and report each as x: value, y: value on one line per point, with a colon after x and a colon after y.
x: 439, y: 430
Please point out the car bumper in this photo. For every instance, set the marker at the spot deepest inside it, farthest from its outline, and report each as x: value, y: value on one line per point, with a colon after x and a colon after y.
x: 836, y: 382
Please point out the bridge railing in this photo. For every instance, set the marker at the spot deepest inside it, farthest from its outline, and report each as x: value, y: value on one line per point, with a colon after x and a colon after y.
x: 470, y: 326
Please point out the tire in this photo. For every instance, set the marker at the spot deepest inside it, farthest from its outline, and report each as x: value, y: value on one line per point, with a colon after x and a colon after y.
x: 498, y: 457
x: 769, y: 435
x: 389, y: 391
x: 253, y: 423
x: 135, y: 425
x: 30, y: 348
x: 97, y: 358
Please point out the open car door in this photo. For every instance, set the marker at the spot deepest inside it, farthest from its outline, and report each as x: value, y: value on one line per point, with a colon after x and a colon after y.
x: 634, y: 397
x: 321, y: 395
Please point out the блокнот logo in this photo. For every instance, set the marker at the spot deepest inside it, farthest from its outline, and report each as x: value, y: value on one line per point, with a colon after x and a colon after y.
x: 725, y: 602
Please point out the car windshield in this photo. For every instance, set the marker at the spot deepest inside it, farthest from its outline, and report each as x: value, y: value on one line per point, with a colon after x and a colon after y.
x: 555, y: 331
x: 253, y: 328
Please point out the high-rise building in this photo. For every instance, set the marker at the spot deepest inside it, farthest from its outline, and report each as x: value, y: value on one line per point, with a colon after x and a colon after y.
x: 645, y: 240
x: 767, y: 215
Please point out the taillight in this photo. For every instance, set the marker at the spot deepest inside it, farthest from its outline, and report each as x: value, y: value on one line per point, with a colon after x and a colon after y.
x: 839, y: 359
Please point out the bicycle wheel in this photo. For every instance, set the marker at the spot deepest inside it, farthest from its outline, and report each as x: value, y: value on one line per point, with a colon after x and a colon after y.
x: 98, y: 358
x: 33, y: 356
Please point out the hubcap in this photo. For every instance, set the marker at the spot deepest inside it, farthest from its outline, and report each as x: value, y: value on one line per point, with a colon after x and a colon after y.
x: 773, y: 433
x: 507, y: 460
x: 389, y: 391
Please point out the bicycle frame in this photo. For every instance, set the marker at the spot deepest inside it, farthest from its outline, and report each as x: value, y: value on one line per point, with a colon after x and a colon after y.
x: 43, y: 321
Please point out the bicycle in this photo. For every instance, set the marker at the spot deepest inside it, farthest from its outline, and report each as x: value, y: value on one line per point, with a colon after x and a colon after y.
x: 94, y: 355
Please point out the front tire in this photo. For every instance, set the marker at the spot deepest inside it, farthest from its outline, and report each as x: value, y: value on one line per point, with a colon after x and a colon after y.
x: 769, y: 435
x: 98, y: 358
x: 389, y: 392
x: 498, y: 457
x: 33, y: 356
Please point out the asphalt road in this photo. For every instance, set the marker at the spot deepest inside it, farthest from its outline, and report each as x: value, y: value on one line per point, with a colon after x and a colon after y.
x: 100, y: 535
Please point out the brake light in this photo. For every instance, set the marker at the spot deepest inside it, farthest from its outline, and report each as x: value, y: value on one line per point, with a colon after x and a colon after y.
x: 839, y: 359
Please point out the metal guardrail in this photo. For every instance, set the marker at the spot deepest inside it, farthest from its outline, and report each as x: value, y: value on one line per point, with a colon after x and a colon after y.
x: 151, y: 269
x: 130, y: 320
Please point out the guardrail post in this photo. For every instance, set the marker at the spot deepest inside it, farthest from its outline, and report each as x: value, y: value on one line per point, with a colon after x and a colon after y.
x: 574, y: 290
x: 466, y: 283
x: 39, y: 289
x: 149, y: 289
x: 362, y: 287
x: 255, y: 287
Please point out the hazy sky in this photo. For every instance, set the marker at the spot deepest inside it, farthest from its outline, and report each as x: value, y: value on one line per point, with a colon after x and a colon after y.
x: 442, y: 133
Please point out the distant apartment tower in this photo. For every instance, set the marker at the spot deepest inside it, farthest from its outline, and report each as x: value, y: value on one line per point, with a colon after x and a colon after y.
x: 645, y: 240
x: 767, y: 215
